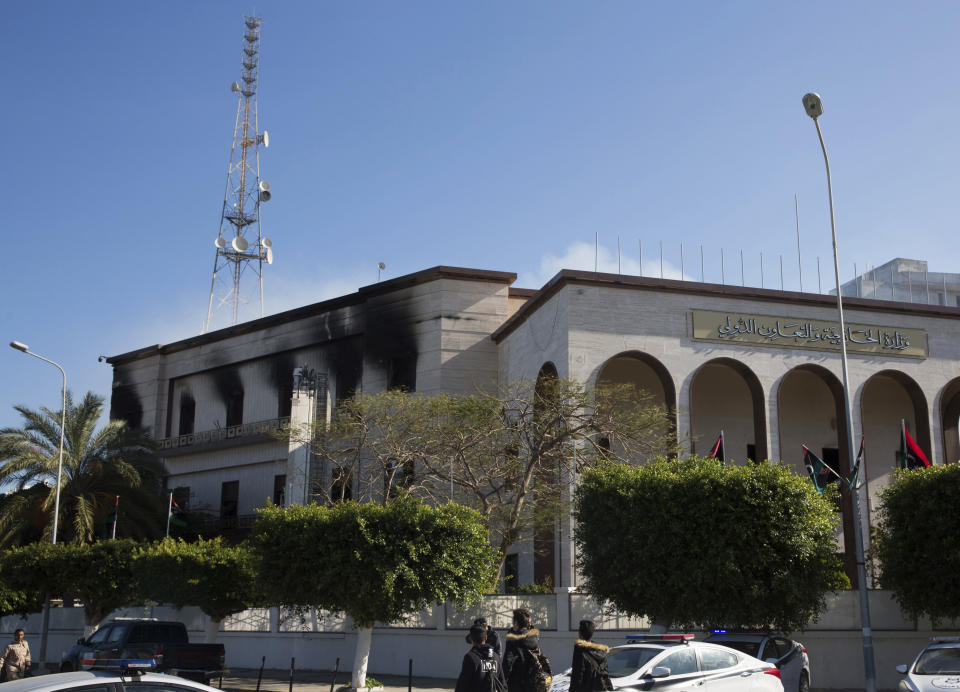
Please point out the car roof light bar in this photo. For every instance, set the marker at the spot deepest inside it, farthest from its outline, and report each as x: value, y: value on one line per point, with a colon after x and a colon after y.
x: 673, y: 637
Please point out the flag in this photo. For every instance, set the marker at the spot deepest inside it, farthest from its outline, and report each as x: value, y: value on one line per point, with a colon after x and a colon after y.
x: 177, y: 516
x: 717, y: 451
x: 820, y: 473
x: 110, y: 527
x: 856, y: 466
x: 910, y: 455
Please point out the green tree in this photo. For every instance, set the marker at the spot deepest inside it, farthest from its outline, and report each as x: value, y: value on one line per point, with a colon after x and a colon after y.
x: 697, y: 542
x: 98, y: 466
x: 18, y: 601
x: 373, y: 562
x: 216, y: 577
x: 916, y: 541
x: 100, y: 574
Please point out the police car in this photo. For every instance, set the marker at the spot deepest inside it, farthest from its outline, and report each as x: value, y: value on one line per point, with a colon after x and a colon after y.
x: 786, y: 654
x: 936, y: 668
x: 676, y: 662
x: 124, y: 675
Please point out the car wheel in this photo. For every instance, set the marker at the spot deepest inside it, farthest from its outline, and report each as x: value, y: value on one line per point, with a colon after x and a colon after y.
x: 804, y: 685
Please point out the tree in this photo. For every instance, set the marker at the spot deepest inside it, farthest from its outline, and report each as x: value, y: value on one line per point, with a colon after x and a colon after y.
x: 512, y: 454
x: 916, y: 541
x: 18, y: 601
x: 100, y: 574
x: 508, y: 454
x: 212, y: 575
x: 371, y: 444
x: 98, y: 466
x: 373, y: 562
x: 697, y: 542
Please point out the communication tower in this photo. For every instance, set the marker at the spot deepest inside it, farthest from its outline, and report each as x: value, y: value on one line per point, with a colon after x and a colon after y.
x: 242, y: 250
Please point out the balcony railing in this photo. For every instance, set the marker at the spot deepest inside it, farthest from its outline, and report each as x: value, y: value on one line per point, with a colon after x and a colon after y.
x: 229, y: 433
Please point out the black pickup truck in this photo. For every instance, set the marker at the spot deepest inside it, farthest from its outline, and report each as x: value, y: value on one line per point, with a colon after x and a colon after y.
x: 164, y: 641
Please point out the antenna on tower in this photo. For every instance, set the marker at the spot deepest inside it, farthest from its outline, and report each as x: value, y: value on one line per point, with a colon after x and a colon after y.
x: 241, y: 248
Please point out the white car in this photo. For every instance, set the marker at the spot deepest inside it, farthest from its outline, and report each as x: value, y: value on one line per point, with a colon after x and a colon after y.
x: 786, y: 654
x: 936, y: 668
x: 112, y: 680
x: 676, y: 662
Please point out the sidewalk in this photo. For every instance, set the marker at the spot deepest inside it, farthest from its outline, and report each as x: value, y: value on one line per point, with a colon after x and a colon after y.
x: 245, y: 680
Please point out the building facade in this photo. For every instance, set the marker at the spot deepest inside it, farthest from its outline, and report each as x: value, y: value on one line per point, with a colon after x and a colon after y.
x: 760, y: 365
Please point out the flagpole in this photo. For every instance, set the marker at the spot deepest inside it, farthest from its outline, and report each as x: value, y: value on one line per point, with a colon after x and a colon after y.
x: 814, y: 108
x: 169, y: 512
x: 116, y: 518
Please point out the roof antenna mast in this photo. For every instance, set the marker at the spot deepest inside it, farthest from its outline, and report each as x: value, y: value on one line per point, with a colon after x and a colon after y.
x: 237, y: 281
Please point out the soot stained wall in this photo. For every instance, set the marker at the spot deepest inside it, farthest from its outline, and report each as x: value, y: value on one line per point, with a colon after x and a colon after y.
x: 125, y: 401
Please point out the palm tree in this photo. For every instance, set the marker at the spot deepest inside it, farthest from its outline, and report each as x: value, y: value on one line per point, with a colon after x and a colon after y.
x: 98, y: 466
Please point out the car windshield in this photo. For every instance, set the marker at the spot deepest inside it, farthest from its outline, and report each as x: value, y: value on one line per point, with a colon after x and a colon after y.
x: 748, y: 648
x: 624, y: 662
x: 938, y: 662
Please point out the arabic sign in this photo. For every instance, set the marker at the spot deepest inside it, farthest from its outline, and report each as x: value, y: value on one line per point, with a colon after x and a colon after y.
x: 791, y: 332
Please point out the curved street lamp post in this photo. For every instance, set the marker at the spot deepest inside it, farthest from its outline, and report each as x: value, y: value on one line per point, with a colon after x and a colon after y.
x: 814, y: 108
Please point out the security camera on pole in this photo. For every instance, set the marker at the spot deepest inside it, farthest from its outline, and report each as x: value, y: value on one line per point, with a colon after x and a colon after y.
x: 814, y: 107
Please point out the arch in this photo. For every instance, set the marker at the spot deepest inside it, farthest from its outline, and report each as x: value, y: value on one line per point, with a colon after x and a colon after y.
x: 810, y: 409
x: 949, y: 417
x: 890, y: 396
x: 545, y: 548
x: 643, y: 370
x: 725, y: 394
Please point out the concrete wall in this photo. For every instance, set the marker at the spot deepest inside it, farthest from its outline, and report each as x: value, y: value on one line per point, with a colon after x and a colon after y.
x: 434, y: 638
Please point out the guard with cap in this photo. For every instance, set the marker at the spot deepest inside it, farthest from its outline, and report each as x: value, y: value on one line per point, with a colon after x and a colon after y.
x: 492, y: 639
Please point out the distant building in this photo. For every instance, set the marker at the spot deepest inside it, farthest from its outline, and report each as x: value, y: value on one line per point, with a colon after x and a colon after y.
x: 905, y: 280
x: 761, y: 365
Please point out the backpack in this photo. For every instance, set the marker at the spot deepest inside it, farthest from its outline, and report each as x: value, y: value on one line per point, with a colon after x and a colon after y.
x: 539, y: 674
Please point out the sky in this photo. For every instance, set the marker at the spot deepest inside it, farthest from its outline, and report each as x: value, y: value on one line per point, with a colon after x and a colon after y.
x: 511, y: 136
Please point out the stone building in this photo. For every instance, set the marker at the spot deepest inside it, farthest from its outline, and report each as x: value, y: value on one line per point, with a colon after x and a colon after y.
x: 761, y: 365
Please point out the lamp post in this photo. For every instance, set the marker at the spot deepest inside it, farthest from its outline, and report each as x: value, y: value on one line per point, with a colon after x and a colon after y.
x: 814, y: 108
x: 56, y: 501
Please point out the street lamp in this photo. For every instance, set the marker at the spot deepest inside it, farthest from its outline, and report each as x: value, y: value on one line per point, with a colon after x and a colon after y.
x: 56, y: 501
x: 814, y: 108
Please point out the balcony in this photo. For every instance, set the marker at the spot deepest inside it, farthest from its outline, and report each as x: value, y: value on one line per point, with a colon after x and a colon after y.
x: 222, y: 438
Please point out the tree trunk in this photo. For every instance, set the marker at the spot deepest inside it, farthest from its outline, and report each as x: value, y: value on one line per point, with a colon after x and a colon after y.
x: 361, y: 656
x: 211, y: 630
x: 661, y: 625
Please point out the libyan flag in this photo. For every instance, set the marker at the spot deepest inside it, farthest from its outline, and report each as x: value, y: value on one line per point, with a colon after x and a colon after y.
x: 717, y: 451
x: 177, y: 516
x: 910, y: 455
x: 820, y: 473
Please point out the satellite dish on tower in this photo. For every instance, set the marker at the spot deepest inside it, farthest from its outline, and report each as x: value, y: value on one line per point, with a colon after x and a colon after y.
x: 266, y: 242
x: 235, y: 87
x: 269, y: 255
x: 265, y: 191
x: 220, y: 242
x: 240, y: 244
x: 265, y: 138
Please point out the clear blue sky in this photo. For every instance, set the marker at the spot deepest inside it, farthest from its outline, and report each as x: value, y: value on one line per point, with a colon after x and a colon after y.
x: 489, y: 134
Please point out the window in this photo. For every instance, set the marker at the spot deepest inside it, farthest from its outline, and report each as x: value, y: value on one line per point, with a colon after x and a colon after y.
x: 181, y: 495
x: 188, y: 410
x: 340, y: 487
x: 284, y: 397
x: 680, y: 662
x: 155, y: 687
x: 229, y: 496
x: 752, y: 452
x: 403, y: 373
x: 713, y: 659
x: 280, y: 490
x: 100, y: 635
x: 398, y: 476
x: 116, y: 634
x: 511, y: 573
x: 235, y: 409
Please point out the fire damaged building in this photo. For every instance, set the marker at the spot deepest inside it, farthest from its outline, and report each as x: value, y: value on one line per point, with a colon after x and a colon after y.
x: 760, y: 365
